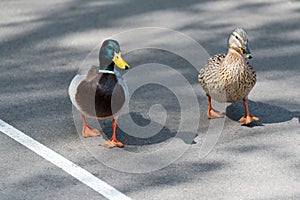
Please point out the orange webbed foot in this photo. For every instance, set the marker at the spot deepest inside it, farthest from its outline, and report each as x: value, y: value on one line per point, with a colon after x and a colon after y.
x: 214, y: 114
x: 90, y: 132
x: 247, y: 119
x: 112, y: 143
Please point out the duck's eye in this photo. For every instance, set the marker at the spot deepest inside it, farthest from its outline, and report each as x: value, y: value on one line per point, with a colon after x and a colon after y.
x: 237, y: 37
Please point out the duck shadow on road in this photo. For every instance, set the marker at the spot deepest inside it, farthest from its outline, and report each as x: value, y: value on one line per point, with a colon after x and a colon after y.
x: 163, y: 135
x: 267, y: 113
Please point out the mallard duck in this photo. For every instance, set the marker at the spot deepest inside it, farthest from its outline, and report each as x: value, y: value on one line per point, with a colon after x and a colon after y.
x: 229, y: 78
x: 100, y: 93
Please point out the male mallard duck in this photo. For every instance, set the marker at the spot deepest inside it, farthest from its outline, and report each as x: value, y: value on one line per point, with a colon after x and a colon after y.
x: 229, y: 78
x: 100, y: 93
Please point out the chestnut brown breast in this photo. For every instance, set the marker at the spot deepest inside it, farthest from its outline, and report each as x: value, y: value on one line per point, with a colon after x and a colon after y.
x: 100, y: 96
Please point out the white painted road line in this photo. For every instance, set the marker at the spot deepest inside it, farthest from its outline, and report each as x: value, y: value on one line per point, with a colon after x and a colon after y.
x: 74, y: 170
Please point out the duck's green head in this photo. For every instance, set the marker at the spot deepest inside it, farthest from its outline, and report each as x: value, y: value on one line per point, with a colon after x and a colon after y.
x: 110, y: 55
x: 238, y: 41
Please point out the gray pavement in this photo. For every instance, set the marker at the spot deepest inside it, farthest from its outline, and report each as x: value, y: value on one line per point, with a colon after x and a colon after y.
x: 42, y: 46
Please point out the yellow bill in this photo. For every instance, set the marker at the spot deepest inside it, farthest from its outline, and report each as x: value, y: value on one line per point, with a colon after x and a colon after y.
x: 119, y: 61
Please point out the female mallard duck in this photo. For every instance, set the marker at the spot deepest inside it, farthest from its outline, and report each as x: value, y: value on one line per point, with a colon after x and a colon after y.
x: 100, y: 93
x: 229, y: 78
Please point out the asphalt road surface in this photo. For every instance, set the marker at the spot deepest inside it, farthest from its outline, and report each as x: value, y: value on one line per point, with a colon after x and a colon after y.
x: 42, y: 46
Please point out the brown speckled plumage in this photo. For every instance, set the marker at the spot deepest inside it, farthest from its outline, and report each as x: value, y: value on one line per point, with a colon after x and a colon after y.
x: 229, y: 78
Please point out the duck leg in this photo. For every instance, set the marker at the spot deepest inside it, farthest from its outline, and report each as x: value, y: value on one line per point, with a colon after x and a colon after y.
x: 247, y: 118
x: 211, y: 113
x: 88, y: 131
x: 112, y: 142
